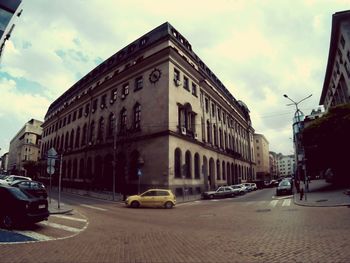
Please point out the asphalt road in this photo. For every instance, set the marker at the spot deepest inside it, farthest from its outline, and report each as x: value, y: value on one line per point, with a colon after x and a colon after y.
x: 257, y: 227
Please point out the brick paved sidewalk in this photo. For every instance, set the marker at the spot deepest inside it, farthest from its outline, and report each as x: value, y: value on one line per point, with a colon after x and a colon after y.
x: 322, y: 194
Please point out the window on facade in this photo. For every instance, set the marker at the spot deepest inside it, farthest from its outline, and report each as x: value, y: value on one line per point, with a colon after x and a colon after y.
x: 208, y: 132
x: 186, y: 118
x: 206, y: 105
x: 64, y: 122
x: 66, y: 141
x: 215, y: 135
x: 176, y: 74
x: 196, y: 166
x: 223, y: 171
x: 83, y: 137
x: 113, y: 96
x: 220, y: 139
x: 80, y: 113
x: 69, y: 118
x: 138, y: 83
x: 71, y: 142
x: 77, y: 138
x: 74, y: 116
x: 218, y: 177
x: 92, y: 132
x: 111, y: 125
x: 188, y: 161
x: 194, y: 89
x: 103, y: 101
x: 177, y: 163
x: 101, y: 128
x: 87, y: 109
x: 186, y: 83
x: 219, y: 114
x: 213, y: 109
x: 123, y: 115
x: 137, y: 116
x: 94, y: 105
x: 125, y: 90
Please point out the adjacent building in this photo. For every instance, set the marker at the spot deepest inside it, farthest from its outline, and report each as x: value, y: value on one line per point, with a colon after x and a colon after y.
x: 336, y: 86
x: 159, y: 111
x: 273, y: 165
x: 4, y: 162
x: 25, y: 146
x: 286, y: 165
x: 261, y: 147
x: 8, y: 8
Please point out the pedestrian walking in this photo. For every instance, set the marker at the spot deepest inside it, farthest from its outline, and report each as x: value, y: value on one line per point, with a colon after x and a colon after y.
x: 301, y: 193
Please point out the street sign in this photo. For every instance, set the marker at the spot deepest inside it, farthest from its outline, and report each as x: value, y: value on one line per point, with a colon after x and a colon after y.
x: 139, y: 172
x: 51, y: 153
x: 50, y: 170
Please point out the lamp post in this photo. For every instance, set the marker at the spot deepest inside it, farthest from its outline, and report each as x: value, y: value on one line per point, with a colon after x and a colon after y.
x: 297, y: 119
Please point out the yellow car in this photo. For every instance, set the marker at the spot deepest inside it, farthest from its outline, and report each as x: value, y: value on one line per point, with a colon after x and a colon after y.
x: 152, y: 198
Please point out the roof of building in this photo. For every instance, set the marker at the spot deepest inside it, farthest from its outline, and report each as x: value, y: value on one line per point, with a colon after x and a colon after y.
x: 159, y: 33
x: 337, y: 19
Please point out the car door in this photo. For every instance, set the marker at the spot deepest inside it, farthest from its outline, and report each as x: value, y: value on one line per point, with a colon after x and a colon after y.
x: 220, y: 192
x: 148, y: 198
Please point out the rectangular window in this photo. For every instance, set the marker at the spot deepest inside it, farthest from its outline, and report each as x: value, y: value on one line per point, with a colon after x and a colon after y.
x: 60, y: 124
x: 194, y: 89
x: 94, y: 105
x: 213, y: 109
x: 176, y: 74
x: 206, y: 105
x: 69, y: 117
x: 138, y: 83
x: 103, y: 101
x: 64, y: 121
x: 87, y: 109
x: 186, y: 83
x: 113, y: 96
x: 125, y: 90
x: 219, y: 114
x: 80, y: 113
x: 74, y: 116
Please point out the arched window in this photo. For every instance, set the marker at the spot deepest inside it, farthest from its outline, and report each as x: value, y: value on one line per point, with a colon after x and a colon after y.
x: 218, y: 177
x: 101, y: 128
x: 188, y: 161
x: 77, y: 138
x: 196, y: 166
x: 92, y: 132
x: 83, y: 137
x: 137, y: 116
x: 177, y: 163
x: 223, y: 171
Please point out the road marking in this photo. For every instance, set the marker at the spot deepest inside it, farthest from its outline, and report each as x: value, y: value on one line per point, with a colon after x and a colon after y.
x: 59, y: 226
x: 34, y: 235
x: 283, y: 197
x: 69, y: 218
x: 286, y: 202
x: 94, y: 207
x: 273, y: 203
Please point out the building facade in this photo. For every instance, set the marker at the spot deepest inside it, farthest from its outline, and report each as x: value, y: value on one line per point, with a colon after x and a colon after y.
x: 25, y: 147
x: 336, y: 86
x: 161, y: 113
x: 273, y: 165
x: 4, y: 162
x: 286, y: 165
x: 261, y: 147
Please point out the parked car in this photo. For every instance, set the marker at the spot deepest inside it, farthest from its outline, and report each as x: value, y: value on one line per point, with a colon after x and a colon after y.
x: 17, y: 207
x: 284, y: 187
x: 241, y: 188
x: 253, y: 186
x: 221, y: 192
x: 34, y: 188
x: 248, y: 186
x: 152, y: 198
x: 12, y: 178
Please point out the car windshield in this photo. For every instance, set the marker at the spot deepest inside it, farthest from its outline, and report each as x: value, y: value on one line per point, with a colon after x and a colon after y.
x: 284, y: 183
x: 20, y: 194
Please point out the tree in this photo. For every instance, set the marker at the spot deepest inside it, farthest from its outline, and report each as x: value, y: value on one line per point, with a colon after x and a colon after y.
x: 327, y: 142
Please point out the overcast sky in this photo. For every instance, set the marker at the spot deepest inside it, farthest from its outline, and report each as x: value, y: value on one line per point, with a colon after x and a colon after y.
x: 260, y: 50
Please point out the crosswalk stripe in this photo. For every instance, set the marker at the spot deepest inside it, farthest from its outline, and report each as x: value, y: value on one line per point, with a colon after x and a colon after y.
x: 94, y: 207
x: 273, y: 203
x: 286, y: 202
x: 59, y: 226
x: 69, y: 218
x: 34, y: 235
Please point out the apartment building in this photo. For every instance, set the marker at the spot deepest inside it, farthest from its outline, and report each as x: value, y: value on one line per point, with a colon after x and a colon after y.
x: 261, y: 147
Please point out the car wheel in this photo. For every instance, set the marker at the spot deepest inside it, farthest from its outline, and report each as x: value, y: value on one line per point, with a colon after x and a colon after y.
x: 168, y: 205
x: 7, y: 221
x: 211, y: 196
x: 135, y: 204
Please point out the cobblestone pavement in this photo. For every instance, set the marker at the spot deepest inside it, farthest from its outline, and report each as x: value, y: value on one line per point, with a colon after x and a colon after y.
x: 204, y: 231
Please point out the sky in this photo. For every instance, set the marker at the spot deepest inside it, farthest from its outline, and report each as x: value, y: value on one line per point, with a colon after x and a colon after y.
x: 260, y: 50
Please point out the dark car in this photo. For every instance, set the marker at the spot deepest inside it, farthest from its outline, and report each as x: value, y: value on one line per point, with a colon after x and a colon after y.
x: 221, y: 192
x: 34, y: 188
x: 18, y: 207
x: 284, y: 187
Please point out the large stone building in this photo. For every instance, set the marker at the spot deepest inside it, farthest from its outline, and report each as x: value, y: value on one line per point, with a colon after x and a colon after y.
x: 4, y: 162
x: 25, y: 146
x: 261, y: 148
x: 336, y: 86
x: 173, y: 122
x: 286, y: 165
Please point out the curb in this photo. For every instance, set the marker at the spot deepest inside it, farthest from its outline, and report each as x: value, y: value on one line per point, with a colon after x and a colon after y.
x: 61, y: 212
x: 312, y: 204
